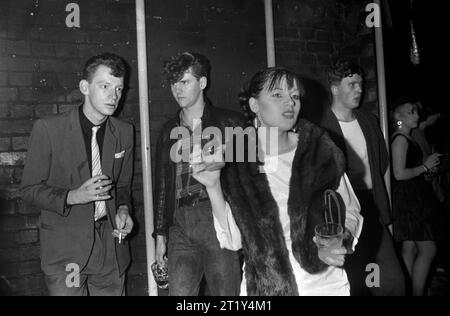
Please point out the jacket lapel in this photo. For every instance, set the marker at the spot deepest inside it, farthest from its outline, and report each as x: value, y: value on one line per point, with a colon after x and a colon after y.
x: 331, y: 124
x: 109, y: 149
x: 77, y: 150
x: 366, y: 130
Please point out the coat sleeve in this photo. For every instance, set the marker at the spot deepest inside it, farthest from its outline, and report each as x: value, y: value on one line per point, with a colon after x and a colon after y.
x: 160, y: 190
x: 34, y: 188
x: 383, y: 150
x: 384, y: 160
x: 229, y: 237
x: 123, y: 183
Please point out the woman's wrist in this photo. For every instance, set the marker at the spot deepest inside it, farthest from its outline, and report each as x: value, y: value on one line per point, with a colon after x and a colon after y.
x: 426, y: 168
x: 214, y: 189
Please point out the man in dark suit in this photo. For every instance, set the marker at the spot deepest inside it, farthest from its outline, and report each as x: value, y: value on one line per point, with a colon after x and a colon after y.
x: 358, y: 135
x: 78, y: 171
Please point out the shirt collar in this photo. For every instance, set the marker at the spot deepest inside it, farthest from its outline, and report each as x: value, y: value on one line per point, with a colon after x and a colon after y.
x: 87, y: 125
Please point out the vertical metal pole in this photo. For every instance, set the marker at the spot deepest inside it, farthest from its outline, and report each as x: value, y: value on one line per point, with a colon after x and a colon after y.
x: 145, y: 142
x: 270, y: 41
x: 382, y: 100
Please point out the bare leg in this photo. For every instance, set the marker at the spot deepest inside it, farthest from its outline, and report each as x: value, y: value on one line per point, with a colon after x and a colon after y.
x: 425, y: 256
x: 409, y: 252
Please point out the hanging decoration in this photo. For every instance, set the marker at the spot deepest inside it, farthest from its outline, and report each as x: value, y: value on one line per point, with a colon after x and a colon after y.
x: 414, y: 49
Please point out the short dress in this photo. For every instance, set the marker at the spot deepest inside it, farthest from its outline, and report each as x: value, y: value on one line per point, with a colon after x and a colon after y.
x: 416, y: 208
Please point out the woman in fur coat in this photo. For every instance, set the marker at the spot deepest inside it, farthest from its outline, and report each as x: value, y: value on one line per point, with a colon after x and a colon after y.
x: 269, y: 208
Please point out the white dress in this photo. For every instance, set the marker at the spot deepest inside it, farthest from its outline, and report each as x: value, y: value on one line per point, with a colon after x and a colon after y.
x: 333, y: 281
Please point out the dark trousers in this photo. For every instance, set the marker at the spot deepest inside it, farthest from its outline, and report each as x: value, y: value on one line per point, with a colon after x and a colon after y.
x: 100, y: 276
x: 375, y: 245
x: 194, y: 252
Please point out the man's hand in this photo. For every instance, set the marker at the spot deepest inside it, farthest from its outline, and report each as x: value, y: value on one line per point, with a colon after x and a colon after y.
x: 124, y: 223
x: 94, y: 189
x: 161, y: 248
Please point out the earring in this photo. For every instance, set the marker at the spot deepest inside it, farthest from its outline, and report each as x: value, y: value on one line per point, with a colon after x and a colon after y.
x: 399, y: 124
x: 256, y: 122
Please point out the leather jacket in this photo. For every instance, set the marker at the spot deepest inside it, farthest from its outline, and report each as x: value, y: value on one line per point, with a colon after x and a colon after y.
x: 165, y: 200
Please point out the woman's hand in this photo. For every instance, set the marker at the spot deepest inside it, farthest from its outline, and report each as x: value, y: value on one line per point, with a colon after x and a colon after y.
x: 209, y: 179
x: 331, y: 256
x: 432, y: 161
x: 206, y: 167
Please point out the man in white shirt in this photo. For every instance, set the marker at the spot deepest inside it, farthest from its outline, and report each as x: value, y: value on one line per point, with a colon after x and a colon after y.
x: 358, y: 135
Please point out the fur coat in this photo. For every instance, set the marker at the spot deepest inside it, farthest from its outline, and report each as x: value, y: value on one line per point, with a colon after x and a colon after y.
x: 318, y: 165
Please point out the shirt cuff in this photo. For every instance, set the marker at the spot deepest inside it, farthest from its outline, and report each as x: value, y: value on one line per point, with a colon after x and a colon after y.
x: 230, y: 236
x: 353, y: 218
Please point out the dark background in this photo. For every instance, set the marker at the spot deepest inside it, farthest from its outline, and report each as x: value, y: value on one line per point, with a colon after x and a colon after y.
x: 428, y: 81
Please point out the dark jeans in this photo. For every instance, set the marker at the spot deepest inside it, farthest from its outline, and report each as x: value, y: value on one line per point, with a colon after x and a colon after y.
x: 375, y: 245
x: 194, y: 252
x: 100, y: 277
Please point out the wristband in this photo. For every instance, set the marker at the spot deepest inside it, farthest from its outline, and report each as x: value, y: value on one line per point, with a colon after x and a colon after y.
x: 426, y: 169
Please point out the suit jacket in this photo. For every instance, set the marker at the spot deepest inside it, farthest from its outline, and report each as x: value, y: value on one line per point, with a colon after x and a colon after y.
x: 57, y: 163
x: 377, y: 153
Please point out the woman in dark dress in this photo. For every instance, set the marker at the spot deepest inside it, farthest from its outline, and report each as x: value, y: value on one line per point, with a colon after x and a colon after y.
x: 415, y: 204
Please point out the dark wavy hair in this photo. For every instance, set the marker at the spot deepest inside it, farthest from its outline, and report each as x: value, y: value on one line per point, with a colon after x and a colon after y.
x: 175, y: 66
x: 342, y: 69
x: 269, y: 79
x: 114, y: 62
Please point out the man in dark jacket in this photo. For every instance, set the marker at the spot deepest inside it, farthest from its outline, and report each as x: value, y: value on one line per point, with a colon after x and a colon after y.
x: 358, y: 135
x: 184, y: 224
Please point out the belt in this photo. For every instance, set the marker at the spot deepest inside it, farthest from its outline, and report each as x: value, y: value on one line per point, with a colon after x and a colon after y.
x: 191, y: 200
x: 100, y: 221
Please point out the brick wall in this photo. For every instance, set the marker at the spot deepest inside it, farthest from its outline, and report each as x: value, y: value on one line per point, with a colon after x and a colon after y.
x: 40, y: 63
x: 311, y: 34
x: 41, y: 59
